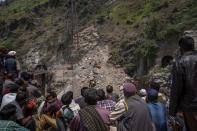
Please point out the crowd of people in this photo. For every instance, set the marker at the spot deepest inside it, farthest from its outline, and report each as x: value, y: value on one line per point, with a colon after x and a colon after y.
x: 133, y: 109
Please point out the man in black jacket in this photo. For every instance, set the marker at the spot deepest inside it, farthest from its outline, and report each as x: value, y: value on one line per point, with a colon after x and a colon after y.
x: 184, y: 83
x: 11, y: 64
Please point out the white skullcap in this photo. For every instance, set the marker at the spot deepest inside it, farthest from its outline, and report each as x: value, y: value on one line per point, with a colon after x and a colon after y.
x: 143, y: 92
x: 12, y: 53
x: 121, y: 88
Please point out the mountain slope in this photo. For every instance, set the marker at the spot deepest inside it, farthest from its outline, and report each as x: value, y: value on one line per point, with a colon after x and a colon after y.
x: 141, y: 31
x: 138, y: 31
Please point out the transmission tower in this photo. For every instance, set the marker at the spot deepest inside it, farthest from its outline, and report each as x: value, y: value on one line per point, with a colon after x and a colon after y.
x: 71, y: 41
x: 71, y: 32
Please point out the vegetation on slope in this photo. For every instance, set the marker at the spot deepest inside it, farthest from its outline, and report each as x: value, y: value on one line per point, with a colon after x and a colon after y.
x: 19, y: 8
x: 134, y: 28
x: 144, y: 24
x: 27, y: 24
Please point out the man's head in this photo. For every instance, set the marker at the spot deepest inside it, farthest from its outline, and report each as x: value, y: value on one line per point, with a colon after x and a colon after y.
x: 21, y: 98
x: 100, y: 95
x: 8, y: 112
x: 152, y: 95
x: 25, y: 76
x: 129, y: 89
x: 83, y: 91
x: 154, y: 85
x: 186, y: 43
x: 9, y: 76
x: 109, y: 89
x: 12, y: 53
x: 67, y: 98
x: 91, y: 96
x: 142, y: 92
x: 21, y: 83
x: 13, y: 88
x: 51, y: 96
x: 92, y: 83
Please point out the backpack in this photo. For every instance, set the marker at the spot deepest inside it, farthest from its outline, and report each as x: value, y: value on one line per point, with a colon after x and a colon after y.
x: 176, y: 123
x: 64, y: 120
x: 68, y: 114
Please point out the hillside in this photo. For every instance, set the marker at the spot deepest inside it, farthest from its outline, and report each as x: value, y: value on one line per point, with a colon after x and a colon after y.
x: 142, y: 32
x: 26, y: 24
x: 139, y: 32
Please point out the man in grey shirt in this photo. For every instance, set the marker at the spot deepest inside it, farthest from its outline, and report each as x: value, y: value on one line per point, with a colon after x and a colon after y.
x: 26, y: 121
x: 19, y: 111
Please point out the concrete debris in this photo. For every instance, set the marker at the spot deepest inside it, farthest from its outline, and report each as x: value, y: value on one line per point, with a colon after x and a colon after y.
x: 163, y: 77
x: 93, y: 66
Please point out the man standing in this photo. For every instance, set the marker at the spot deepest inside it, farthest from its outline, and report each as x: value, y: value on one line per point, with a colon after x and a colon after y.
x: 157, y: 110
x: 110, y: 94
x: 21, y: 118
x: 9, y: 79
x: 184, y: 84
x: 91, y: 117
x: 137, y: 116
x: 81, y: 99
x: 49, y: 111
x: 104, y: 103
x: 32, y: 91
x: 7, y: 119
x: 11, y: 64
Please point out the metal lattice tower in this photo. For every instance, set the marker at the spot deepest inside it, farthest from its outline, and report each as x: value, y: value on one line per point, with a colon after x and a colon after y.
x: 71, y: 32
x: 70, y: 51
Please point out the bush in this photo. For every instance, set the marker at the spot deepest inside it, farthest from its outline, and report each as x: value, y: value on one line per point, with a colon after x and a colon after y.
x: 124, y: 43
x: 7, y: 44
x: 158, y: 4
x: 129, y: 22
x: 130, y: 69
x: 153, y: 26
x: 173, y: 30
x: 147, y: 49
x: 100, y: 20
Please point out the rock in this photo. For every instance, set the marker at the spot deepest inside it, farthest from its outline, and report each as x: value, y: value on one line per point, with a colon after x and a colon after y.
x: 97, y: 71
x: 163, y: 77
x: 95, y: 35
x: 192, y: 33
x: 92, y: 65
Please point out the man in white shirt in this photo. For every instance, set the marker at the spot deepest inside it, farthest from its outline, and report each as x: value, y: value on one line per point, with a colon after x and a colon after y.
x: 9, y: 97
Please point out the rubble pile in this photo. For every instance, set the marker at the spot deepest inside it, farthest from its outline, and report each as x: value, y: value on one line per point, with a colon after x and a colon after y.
x: 93, y: 66
x: 163, y: 77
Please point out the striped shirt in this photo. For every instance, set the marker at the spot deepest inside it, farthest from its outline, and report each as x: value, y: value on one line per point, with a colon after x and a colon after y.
x: 106, y: 104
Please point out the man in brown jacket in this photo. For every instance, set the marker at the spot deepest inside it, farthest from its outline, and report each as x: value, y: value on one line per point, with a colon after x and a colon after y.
x: 137, y: 116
